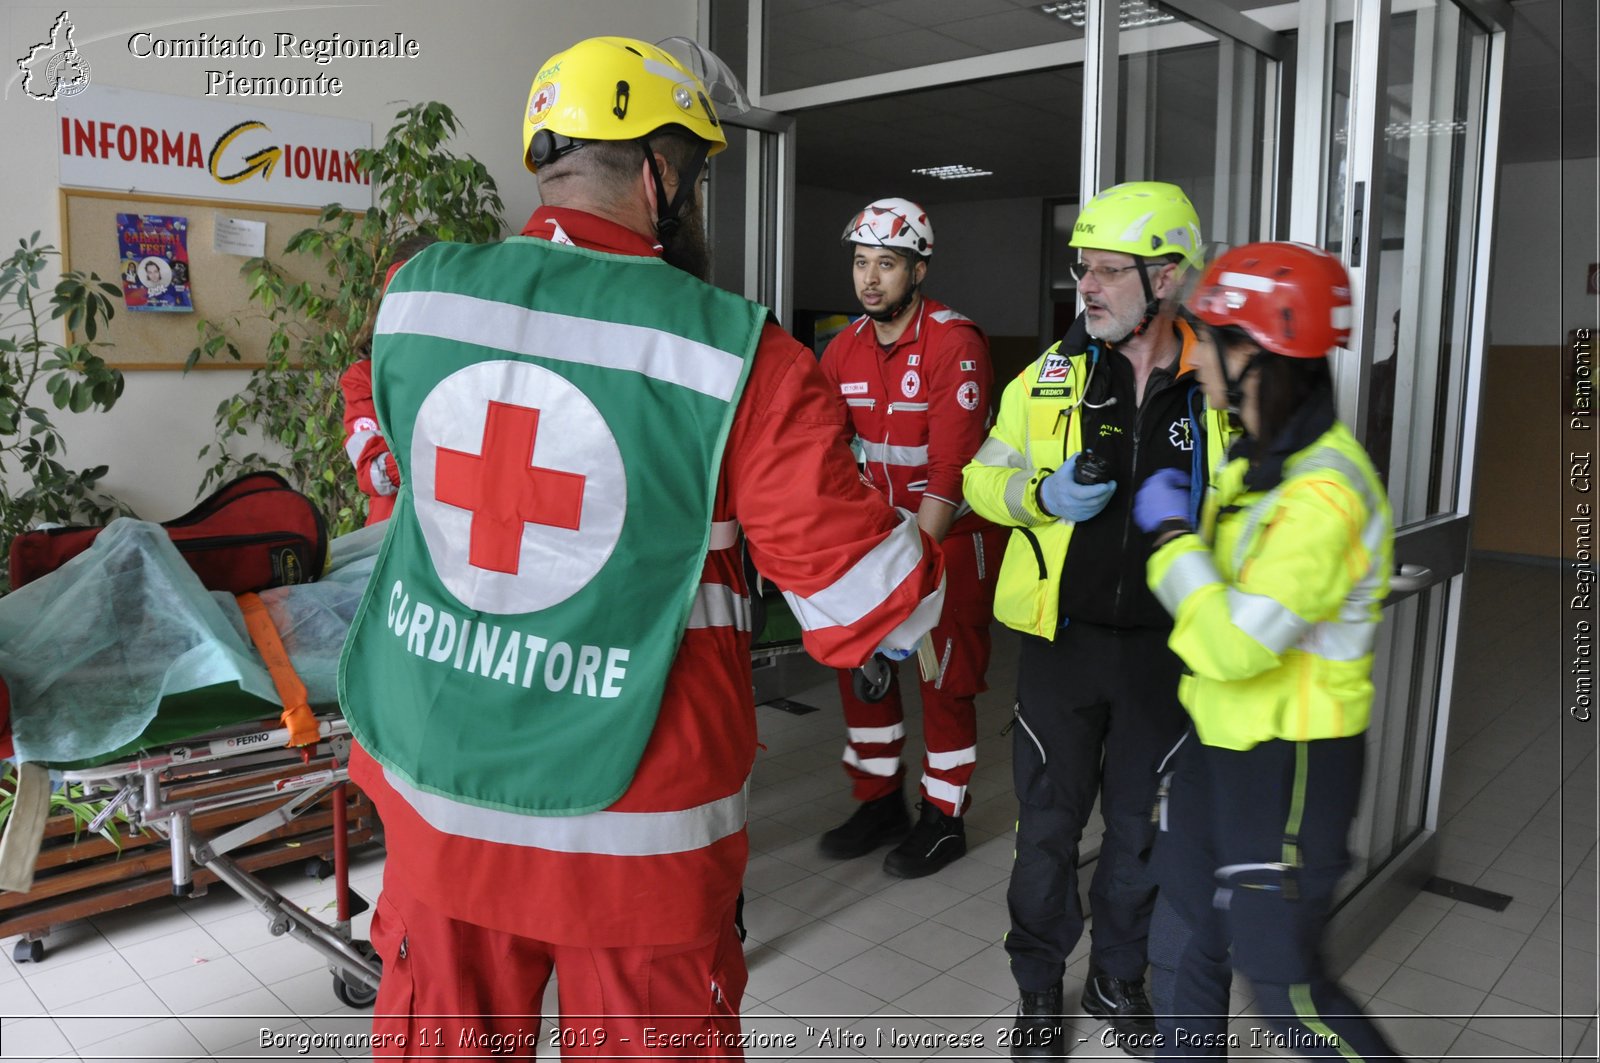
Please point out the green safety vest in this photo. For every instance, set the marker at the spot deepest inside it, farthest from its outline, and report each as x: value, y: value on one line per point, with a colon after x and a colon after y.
x: 1038, y: 428
x: 558, y: 416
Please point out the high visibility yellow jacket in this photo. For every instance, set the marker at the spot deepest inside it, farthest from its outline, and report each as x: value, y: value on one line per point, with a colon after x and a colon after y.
x: 1276, y: 601
x: 1038, y: 428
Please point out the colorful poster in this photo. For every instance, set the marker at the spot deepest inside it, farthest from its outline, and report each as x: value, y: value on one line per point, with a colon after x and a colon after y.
x: 155, y: 262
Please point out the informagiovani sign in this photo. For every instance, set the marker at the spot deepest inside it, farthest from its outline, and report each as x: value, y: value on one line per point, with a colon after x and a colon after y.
x: 134, y: 141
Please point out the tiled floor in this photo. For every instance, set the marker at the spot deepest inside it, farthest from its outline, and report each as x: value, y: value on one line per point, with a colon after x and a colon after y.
x: 203, y: 979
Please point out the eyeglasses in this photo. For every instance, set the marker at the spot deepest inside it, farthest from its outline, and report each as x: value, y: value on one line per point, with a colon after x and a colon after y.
x: 1105, y: 274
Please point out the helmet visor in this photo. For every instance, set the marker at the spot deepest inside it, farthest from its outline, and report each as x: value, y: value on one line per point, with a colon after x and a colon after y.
x: 722, y: 85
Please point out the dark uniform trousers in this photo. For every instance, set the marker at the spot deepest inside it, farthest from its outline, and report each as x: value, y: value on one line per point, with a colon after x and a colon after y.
x: 1097, y: 711
x: 1225, y: 819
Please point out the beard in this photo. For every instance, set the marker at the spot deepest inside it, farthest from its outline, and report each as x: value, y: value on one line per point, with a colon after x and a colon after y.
x: 1119, y: 326
x: 687, y: 248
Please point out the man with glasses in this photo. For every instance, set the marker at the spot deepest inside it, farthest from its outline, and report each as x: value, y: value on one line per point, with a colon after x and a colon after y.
x: 1097, y: 701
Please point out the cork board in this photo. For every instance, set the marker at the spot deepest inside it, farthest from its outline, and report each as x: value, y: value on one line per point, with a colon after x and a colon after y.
x: 220, y: 291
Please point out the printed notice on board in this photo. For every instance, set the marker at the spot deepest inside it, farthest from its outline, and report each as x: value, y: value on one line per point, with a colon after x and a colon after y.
x: 155, y: 262
x: 239, y: 236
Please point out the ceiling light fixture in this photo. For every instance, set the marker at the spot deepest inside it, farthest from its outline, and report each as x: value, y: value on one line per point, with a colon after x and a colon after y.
x: 951, y: 173
x: 1132, y: 14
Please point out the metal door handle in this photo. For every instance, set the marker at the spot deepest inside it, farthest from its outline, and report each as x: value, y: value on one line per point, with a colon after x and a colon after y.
x: 1409, y: 577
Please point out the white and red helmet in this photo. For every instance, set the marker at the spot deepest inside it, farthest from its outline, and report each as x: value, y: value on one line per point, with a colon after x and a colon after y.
x: 895, y: 223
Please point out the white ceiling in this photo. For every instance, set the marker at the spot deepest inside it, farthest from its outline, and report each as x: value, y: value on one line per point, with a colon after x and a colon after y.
x: 1026, y: 128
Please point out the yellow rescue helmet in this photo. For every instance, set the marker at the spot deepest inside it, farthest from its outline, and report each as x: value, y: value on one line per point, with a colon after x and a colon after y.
x: 1145, y: 218
x: 618, y: 88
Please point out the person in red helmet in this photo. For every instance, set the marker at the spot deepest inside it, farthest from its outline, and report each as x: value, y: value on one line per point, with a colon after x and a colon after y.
x: 548, y: 679
x: 1275, y: 599
x: 914, y: 375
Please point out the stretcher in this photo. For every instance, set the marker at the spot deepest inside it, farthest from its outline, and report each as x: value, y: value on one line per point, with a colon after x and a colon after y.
x: 195, y: 755
x: 198, y: 757
x: 172, y: 788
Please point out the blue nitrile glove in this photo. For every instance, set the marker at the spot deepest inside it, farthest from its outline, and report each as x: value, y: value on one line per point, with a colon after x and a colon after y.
x: 1065, y: 497
x: 893, y: 655
x: 1161, y: 498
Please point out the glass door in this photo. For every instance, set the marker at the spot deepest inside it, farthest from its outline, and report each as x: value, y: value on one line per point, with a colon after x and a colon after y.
x: 1404, y: 173
x: 750, y: 212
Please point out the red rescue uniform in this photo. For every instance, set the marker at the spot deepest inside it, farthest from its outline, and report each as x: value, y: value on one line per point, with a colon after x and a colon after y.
x: 635, y: 912
x: 920, y: 410
x: 376, y: 471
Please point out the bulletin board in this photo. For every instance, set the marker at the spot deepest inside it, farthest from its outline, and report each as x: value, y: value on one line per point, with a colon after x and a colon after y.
x: 220, y: 291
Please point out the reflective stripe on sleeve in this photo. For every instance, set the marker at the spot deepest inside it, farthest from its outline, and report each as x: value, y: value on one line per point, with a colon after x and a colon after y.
x: 1187, y: 574
x: 724, y: 534
x: 877, y: 736
x: 356, y: 444
x: 1267, y: 620
x: 1015, y: 493
x: 1335, y: 641
x: 921, y: 621
x: 380, y: 476
x: 999, y: 454
x: 883, y: 767
x: 866, y: 586
x: 486, y: 323
x: 600, y: 833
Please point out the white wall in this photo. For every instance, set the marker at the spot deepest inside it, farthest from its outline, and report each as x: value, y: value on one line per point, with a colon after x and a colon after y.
x: 1545, y: 239
x: 477, y: 56
x: 985, y: 263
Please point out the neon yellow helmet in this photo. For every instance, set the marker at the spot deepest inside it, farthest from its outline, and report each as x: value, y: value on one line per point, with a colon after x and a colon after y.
x: 1143, y: 218
x: 618, y: 88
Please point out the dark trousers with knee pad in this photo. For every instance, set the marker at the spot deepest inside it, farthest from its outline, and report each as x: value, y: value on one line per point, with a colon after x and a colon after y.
x: 1250, y: 849
x: 1097, y: 710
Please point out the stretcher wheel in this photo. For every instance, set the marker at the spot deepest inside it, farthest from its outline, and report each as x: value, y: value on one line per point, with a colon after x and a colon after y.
x: 28, y: 951
x: 351, y: 993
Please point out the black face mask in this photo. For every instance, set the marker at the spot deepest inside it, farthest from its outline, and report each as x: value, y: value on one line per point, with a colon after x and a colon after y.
x: 686, y: 247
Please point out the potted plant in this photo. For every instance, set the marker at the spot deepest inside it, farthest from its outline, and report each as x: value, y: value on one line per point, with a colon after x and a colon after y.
x: 35, y: 486
x: 293, y: 400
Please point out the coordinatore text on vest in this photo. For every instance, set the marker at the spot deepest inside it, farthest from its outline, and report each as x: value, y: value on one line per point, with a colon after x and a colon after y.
x: 502, y: 653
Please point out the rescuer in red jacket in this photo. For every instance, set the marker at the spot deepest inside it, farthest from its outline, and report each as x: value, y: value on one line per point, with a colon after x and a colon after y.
x: 377, y: 474
x: 631, y: 906
x: 914, y: 376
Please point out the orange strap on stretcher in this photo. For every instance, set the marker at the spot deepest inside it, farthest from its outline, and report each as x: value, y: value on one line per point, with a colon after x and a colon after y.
x: 297, y: 715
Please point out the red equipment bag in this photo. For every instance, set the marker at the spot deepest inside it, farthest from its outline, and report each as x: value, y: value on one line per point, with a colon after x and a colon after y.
x: 251, y: 534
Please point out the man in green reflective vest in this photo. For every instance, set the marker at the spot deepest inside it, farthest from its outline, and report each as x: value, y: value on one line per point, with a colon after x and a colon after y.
x: 549, y: 678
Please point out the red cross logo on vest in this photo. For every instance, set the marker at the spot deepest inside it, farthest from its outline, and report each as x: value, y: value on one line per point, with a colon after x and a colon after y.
x: 518, y: 485
x: 504, y: 491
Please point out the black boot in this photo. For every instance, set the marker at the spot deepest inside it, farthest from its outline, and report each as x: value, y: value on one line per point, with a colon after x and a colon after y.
x: 1125, y: 1005
x: 935, y: 841
x: 872, y: 824
x: 1039, y: 1032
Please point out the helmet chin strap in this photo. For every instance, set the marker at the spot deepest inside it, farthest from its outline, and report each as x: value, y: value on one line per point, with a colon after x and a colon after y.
x: 669, y: 216
x: 1235, y: 384
x: 883, y: 317
x: 1152, y: 306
